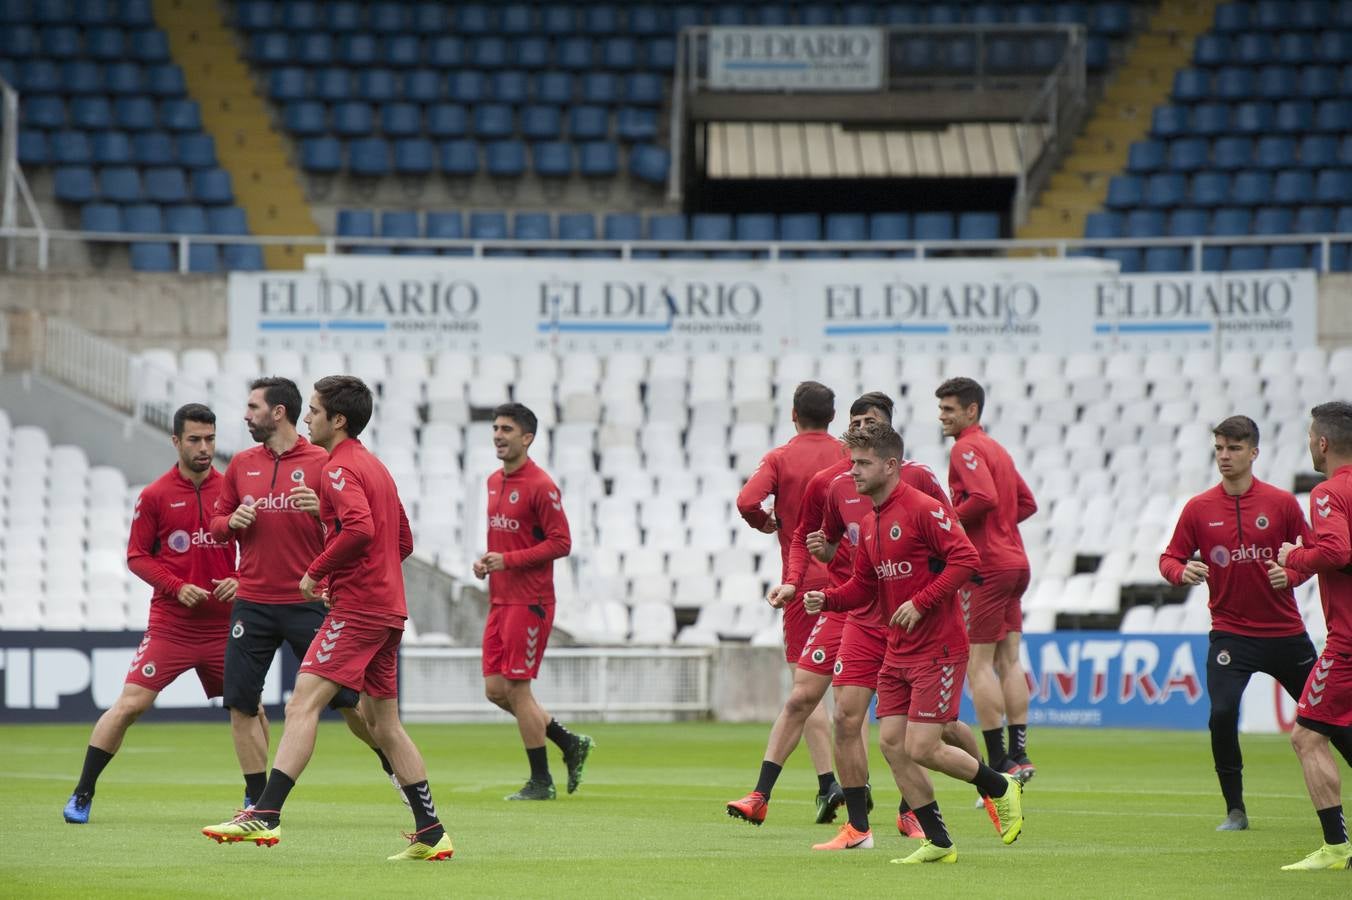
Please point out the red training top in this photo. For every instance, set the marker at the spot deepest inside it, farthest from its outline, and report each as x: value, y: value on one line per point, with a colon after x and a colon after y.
x: 281, y: 543
x: 1330, y: 555
x: 527, y: 525
x: 366, y: 537
x: 912, y: 549
x: 785, y: 472
x: 991, y: 499
x: 1238, y: 535
x: 170, y: 546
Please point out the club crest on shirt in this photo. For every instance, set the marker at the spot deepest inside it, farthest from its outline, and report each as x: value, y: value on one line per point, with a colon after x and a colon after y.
x: 513, y: 496
x: 298, y: 475
x: 1223, y: 658
x: 148, y: 670
x: 839, y: 667
x: 238, y: 631
x: 818, y: 656
x: 895, y: 532
x: 1261, y: 522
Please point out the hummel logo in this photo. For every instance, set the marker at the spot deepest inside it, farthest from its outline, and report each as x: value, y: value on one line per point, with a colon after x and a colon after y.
x: 253, y: 474
x: 337, y: 626
x: 327, y: 646
x: 854, y: 500
x: 1322, y: 506
x: 1315, y: 701
x: 972, y: 465
x: 1326, y: 663
x: 1216, y: 524
x: 322, y: 657
x: 179, y: 504
x: 969, y: 455
x: 336, y: 473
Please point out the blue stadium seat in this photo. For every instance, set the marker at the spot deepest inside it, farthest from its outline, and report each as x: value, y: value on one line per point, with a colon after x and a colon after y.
x: 588, y: 123
x: 1184, y: 222
x: 1145, y: 156
x: 489, y: 226
x: 120, y: 184
x: 711, y: 227
x: 400, y: 119
x: 43, y: 112
x: 165, y: 184
x: 1333, y: 115
x: 1127, y: 258
x: 574, y: 54
x: 446, y: 120
x: 1210, y: 119
x: 152, y: 257
x: 136, y: 113
x: 460, y: 158
x: 1289, y: 256
x: 1103, y: 224
x: 493, y: 120
x: 1252, y: 188
x: 649, y: 163
x: 357, y: 49
x: 254, y: 15
x: 1165, y: 259
x: 39, y: 76
x: 643, y: 89
x: 755, y: 227
x: 33, y: 148
x: 621, y: 227
x: 353, y: 119
x: 153, y: 148
x: 332, y: 85
x: 668, y: 227
x: 430, y: 18
x: 227, y: 220
x: 474, y: 18
x: 300, y: 15
x: 552, y: 159
x: 577, y: 226
x: 532, y: 226
x: 1275, y: 152
x: 1312, y: 219
x: 619, y: 54
x: 445, y: 51
x: 1169, y: 121
x: 186, y: 218
x: 1232, y: 152
x: 212, y: 187
x: 1334, y: 46
x: 488, y: 52
x: 554, y: 87
x: 1144, y: 223
x: 304, y: 118
x: 312, y: 49
x: 180, y: 115
x: 530, y: 53
x: 1318, y: 151
x: 1295, y: 116
x: 541, y: 123
x: 1274, y: 220
x: 1211, y: 50
x: 377, y: 85
x: 356, y: 223
x: 1333, y: 186
x: 509, y: 86
x: 1343, y: 223
x: 70, y: 148
x: 368, y: 157
x: 979, y: 226
x: 288, y: 83
x: 414, y: 156
x: 598, y: 159
x: 143, y: 218
x: 59, y: 42
x: 100, y: 217
x: 270, y: 48
x: 1248, y: 258
x: 18, y: 42
x: 1165, y: 189
x: 80, y: 76
x: 1252, y: 118
x: 505, y: 159
x: 1189, y: 154
x: 516, y: 19
x: 800, y: 227
x: 1235, y: 83
x: 1317, y: 82
x: 1277, y: 83
x: 600, y: 20
x: 123, y: 78
x: 600, y: 88
x: 1345, y: 150
x: 659, y: 54
x: 1231, y: 222
x: 399, y: 224
x: 401, y: 51
x: 387, y: 17
x: 1192, y: 85
x: 647, y: 20
x: 422, y: 86
x: 1125, y: 191
x: 634, y: 124
x: 1293, y: 187
x: 445, y: 224
x: 467, y: 86
x: 111, y: 148
x: 1254, y: 48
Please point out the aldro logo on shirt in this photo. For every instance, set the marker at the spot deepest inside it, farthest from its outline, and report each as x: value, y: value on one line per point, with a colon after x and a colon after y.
x: 180, y: 541
x: 1223, y: 556
x: 890, y: 568
x: 280, y: 501
x: 503, y: 523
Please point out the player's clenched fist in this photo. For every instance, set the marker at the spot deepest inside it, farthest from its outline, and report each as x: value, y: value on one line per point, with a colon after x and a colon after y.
x: 816, y: 544
x: 781, y: 596
x: 305, y: 499
x: 190, y: 595
x: 1195, y: 572
x: 814, y: 602
x: 243, y: 516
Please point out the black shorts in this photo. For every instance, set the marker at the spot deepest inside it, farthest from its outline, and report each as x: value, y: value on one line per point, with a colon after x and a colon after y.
x: 256, y: 631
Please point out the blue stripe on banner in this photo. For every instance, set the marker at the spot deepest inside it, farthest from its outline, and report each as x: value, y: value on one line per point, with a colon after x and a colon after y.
x: 290, y: 325
x: 768, y: 66
x: 1155, y: 328
x: 355, y: 325
x: 844, y: 330
x: 603, y: 327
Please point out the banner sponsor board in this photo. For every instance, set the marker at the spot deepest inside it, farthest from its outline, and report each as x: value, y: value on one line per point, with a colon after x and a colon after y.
x: 798, y: 59
x: 432, y: 304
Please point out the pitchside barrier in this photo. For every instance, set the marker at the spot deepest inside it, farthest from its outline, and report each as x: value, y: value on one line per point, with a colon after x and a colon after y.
x: 1077, y: 678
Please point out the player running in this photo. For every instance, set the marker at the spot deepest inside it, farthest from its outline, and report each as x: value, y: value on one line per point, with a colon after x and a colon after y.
x: 785, y: 472
x: 367, y: 537
x: 991, y: 499
x: 268, y: 503
x: 194, y: 580
x: 1238, y: 526
x: 912, y: 556
x: 527, y: 531
x: 1325, y: 709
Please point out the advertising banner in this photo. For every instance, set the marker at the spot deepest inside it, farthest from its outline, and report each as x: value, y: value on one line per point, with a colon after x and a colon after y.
x: 797, y: 59
x: 854, y: 306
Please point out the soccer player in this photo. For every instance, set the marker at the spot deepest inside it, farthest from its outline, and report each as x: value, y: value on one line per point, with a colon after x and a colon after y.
x: 194, y: 580
x: 367, y: 537
x: 911, y: 558
x: 268, y: 503
x: 1325, y: 708
x: 833, y: 512
x: 527, y: 531
x: 991, y: 499
x: 1238, y: 526
x: 785, y: 472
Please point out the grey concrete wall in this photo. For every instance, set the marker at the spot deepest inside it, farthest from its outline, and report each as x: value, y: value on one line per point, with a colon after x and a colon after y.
x: 1335, y: 310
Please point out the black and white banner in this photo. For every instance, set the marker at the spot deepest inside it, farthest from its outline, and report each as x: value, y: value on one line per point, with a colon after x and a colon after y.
x: 797, y: 59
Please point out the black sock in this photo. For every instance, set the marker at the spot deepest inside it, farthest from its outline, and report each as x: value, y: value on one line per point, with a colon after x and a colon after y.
x: 824, y: 782
x: 856, y: 804
x: 1018, y: 741
x: 995, y: 745
x: 1335, y: 828
x: 932, y: 822
x: 425, y: 821
x: 254, y: 783
x: 384, y: 761
x: 988, y: 781
x: 769, y: 774
x: 904, y: 808
x: 95, y: 760
x: 274, y: 797
x: 1232, y: 789
x: 562, y: 737
x: 539, y: 764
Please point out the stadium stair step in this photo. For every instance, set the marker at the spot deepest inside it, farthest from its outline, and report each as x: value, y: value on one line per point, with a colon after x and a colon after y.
x: 1121, y: 116
x: 266, y: 185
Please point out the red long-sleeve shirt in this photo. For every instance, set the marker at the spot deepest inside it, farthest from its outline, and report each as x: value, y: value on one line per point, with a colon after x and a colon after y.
x: 1330, y: 555
x: 281, y: 543
x: 170, y: 546
x: 527, y: 525
x: 990, y: 498
x: 911, y: 548
x: 366, y: 537
x: 785, y: 472
x: 1238, y: 535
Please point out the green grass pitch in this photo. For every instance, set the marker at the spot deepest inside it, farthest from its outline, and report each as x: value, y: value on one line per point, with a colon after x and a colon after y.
x: 1110, y: 814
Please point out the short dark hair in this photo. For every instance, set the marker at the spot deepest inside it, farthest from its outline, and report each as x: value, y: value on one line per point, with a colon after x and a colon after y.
x: 1238, y: 428
x: 279, y: 391
x: 880, y: 438
x: 872, y: 400
x: 815, y: 404
x: 347, y: 396
x: 966, y: 390
x: 520, y: 414
x: 1333, y: 422
x: 192, y: 412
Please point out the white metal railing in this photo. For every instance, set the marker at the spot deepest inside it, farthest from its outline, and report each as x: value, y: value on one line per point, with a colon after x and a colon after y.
x: 12, y: 181
x: 333, y: 244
